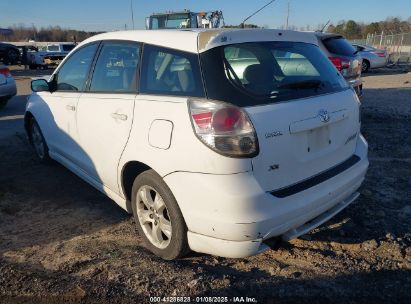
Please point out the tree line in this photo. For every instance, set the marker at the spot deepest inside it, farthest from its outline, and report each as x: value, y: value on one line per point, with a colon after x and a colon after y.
x: 52, y: 33
x: 359, y: 30
x: 350, y: 29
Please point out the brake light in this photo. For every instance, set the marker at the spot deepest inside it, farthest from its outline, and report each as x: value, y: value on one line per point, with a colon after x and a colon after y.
x: 340, y: 63
x: 223, y: 127
x: 382, y: 55
x: 5, y: 72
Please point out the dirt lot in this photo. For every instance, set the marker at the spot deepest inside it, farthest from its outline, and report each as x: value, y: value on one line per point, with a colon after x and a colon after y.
x: 62, y: 241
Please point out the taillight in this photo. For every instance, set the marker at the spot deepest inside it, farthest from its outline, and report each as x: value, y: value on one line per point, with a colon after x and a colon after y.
x: 5, y: 72
x: 382, y: 55
x: 223, y: 127
x: 340, y: 63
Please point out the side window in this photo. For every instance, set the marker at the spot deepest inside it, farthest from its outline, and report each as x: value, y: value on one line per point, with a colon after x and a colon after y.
x: 73, y: 74
x: 170, y: 72
x: 116, y: 68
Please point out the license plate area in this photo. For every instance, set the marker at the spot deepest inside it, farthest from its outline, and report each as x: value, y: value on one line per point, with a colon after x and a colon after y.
x: 318, y: 139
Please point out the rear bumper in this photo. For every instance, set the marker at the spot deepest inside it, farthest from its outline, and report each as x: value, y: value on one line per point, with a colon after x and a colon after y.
x: 241, y: 249
x: 378, y: 62
x: 231, y: 216
x: 356, y: 85
x: 8, y: 89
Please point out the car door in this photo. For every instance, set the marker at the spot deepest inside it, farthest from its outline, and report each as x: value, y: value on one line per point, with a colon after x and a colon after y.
x: 105, y: 111
x: 59, y: 125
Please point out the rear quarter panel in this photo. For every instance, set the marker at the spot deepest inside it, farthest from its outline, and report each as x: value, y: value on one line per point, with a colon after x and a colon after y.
x: 185, y: 153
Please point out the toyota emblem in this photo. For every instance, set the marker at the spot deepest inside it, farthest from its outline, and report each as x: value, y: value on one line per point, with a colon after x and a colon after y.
x: 324, y: 116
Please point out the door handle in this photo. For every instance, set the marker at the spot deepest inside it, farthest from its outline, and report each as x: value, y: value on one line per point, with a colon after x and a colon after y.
x: 119, y: 116
x: 70, y: 107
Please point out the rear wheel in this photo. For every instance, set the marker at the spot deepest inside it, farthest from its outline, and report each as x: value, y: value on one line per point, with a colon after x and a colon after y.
x: 158, y: 217
x: 365, y: 66
x: 38, y: 142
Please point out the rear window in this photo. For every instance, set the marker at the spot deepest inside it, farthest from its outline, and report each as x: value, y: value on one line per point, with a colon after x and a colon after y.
x: 53, y: 48
x: 258, y: 73
x: 68, y: 47
x: 339, y: 46
x: 170, y: 21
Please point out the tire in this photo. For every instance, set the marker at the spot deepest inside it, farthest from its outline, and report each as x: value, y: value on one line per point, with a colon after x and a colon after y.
x: 3, y: 102
x: 38, y: 142
x: 158, y: 218
x: 365, y: 66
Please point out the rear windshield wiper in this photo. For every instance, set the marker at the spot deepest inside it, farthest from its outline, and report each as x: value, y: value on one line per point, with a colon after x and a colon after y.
x: 305, y: 84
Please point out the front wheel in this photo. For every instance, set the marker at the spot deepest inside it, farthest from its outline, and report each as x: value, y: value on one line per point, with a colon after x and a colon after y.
x: 12, y: 57
x: 158, y: 217
x: 3, y: 102
x: 38, y: 142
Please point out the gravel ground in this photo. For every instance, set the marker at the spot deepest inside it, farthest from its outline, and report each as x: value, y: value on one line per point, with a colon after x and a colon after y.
x: 62, y: 241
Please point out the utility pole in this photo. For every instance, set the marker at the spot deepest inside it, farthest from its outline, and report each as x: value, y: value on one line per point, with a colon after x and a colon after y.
x: 288, y: 15
x: 132, y: 12
x: 34, y: 32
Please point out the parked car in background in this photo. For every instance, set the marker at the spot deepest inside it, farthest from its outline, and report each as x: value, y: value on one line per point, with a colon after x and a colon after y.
x: 7, y: 85
x: 52, y: 55
x: 9, y: 53
x: 218, y: 141
x: 371, y: 57
x: 344, y: 57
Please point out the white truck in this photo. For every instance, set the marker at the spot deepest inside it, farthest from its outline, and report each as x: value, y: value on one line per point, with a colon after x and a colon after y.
x: 185, y: 19
x: 52, y: 55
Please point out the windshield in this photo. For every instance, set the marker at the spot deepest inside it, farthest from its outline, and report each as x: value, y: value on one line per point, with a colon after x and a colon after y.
x: 170, y: 21
x: 266, y: 72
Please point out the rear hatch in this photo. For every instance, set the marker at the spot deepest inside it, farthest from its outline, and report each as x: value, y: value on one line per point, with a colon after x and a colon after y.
x: 339, y: 48
x: 303, y: 138
x: 304, y: 113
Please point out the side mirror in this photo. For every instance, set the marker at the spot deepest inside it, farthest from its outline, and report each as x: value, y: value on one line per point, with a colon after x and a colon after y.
x: 147, y: 23
x: 40, y: 85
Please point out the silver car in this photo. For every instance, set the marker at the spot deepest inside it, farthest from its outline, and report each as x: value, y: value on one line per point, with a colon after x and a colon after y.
x: 371, y: 57
x: 7, y: 85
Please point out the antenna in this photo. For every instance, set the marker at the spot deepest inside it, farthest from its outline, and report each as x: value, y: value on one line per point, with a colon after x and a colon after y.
x: 242, y: 23
x: 322, y: 30
x: 132, y: 13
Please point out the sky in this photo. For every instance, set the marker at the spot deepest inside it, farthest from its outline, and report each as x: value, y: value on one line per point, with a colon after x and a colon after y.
x: 102, y: 15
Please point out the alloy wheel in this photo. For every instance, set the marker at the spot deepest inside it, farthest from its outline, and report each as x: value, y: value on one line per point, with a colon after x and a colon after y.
x: 37, y: 140
x: 154, y: 217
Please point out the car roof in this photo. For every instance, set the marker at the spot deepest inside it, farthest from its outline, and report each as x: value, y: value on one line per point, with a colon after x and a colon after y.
x: 201, y: 40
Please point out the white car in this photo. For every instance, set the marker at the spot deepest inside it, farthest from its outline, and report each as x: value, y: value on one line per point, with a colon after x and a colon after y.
x: 372, y: 58
x: 218, y: 141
